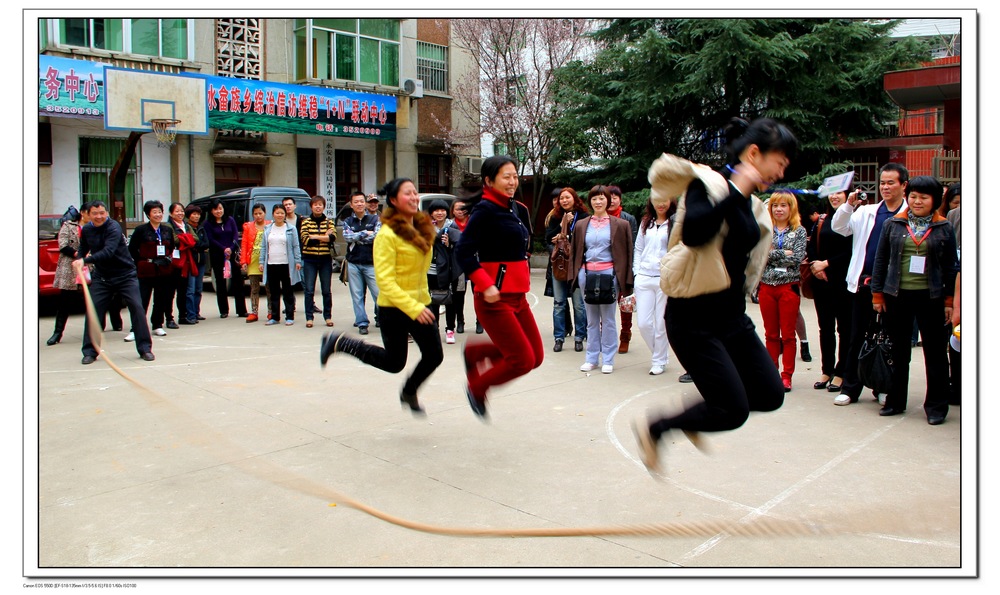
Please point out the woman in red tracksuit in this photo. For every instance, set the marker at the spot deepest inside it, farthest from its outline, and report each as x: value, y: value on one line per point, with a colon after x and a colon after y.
x: 493, y: 253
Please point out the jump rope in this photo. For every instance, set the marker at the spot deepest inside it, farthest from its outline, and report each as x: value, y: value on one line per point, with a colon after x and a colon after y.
x: 205, y: 436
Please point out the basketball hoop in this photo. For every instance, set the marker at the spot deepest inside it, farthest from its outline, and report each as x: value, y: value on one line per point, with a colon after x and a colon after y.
x: 165, y: 130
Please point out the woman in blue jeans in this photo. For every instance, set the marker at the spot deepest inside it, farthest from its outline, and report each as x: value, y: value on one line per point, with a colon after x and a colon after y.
x: 569, y: 209
x: 316, y: 236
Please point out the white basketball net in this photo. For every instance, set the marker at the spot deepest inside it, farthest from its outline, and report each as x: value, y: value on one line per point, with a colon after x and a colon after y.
x: 165, y: 131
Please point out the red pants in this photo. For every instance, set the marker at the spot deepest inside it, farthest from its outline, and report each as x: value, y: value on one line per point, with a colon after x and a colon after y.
x: 779, y: 307
x: 515, y: 346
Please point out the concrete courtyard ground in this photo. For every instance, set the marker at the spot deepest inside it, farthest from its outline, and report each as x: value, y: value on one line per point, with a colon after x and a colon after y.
x: 233, y: 462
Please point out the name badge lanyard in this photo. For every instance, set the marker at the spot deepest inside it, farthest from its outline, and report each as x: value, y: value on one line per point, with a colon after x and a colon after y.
x: 781, y: 238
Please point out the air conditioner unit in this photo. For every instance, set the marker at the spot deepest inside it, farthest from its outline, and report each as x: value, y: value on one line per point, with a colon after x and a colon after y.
x: 473, y: 165
x: 414, y: 88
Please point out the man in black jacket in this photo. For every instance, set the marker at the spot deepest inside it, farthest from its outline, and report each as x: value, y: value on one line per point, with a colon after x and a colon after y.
x: 102, y: 244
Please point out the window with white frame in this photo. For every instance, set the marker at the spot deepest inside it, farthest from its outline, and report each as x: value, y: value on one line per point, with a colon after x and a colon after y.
x: 360, y: 50
x: 98, y: 156
x: 432, y: 66
x: 162, y: 38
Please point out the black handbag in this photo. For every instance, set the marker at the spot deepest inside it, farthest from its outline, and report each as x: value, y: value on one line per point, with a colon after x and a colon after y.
x: 599, y: 289
x: 441, y: 297
x: 875, y: 365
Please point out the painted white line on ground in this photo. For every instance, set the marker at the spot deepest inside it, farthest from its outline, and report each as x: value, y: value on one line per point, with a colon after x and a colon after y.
x: 609, y: 427
x: 790, y: 491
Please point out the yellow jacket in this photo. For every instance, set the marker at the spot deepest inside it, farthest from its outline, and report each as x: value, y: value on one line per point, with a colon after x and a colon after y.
x: 401, y: 273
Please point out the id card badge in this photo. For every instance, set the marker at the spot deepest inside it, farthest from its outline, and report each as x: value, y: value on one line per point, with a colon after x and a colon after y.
x: 917, y: 264
x: 176, y: 254
x: 161, y: 250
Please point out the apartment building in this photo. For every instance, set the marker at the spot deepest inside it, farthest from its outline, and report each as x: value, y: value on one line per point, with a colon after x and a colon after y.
x: 327, y: 105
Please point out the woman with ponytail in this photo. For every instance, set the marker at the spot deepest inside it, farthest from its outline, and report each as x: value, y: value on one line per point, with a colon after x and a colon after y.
x: 493, y: 254
x: 402, y: 255
x: 710, y: 332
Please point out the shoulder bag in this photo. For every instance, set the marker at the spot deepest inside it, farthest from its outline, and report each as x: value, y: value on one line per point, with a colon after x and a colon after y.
x: 599, y: 289
x: 561, y: 256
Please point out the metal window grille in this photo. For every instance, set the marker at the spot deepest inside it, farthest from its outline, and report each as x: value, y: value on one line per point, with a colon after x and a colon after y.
x: 97, y: 158
x: 432, y: 66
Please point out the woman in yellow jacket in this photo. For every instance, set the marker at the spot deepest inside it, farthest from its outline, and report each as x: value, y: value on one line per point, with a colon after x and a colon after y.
x: 402, y: 254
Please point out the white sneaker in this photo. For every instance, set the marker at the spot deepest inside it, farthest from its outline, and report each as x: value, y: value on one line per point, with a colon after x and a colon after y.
x: 587, y: 366
x: 842, y: 399
x: 159, y: 332
x: 130, y: 337
x: 655, y: 370
x: 607, y: 369
x: 449, y: 337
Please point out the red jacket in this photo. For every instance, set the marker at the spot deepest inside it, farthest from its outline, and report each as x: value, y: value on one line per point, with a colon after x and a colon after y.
x: 246, y: 244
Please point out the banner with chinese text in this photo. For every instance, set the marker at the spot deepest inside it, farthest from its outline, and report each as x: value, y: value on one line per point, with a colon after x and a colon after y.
x: 300, y: 109
x: 68, y: 87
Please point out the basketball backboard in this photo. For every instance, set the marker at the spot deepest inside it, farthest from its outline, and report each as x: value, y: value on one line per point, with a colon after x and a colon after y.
x: 134, y: 98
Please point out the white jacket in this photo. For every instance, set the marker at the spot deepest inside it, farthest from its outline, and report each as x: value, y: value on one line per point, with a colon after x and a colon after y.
x: 650, y: 247
x: 856, y: 223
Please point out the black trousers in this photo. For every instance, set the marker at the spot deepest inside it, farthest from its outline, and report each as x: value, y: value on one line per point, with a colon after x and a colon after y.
x: 102, y: 291
x: 456, y: 309
x: 178, y: 290
x: 900, y: 312
x: 223, y: 289
x: 161, y: 290
x: 862, y: 316
x: 834, y: 311
x: 395, y: 327
x: 279, y: 283
x: 730, y: 367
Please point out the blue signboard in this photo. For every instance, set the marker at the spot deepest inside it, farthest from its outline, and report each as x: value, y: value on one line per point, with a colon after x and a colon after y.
x: 68, y: 87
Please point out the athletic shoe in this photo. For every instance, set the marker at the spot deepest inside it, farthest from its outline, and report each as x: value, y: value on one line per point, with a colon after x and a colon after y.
x: 655, y: 370
x: 271, y: 322
x: 130, y: 337
x: 363, y: 330
x: 647, y: 447
x: 289, y: 322
x: 842, y: 399
x: 159, y: 332
x: 251, y: 317
x: 607, y: 369
x: 587, y: 366
x: 449, y: 337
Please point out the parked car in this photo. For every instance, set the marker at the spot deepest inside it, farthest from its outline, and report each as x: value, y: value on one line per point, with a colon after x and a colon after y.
x: 48, y: 253
x: 239, y: 203
x: 428, y: 198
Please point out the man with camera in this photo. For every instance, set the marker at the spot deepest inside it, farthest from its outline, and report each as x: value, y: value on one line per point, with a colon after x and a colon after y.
x: 863, y: 222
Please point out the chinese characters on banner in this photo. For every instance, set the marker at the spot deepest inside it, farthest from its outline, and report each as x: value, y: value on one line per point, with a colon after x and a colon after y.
x: 68, y: 87
x: 276, y: 107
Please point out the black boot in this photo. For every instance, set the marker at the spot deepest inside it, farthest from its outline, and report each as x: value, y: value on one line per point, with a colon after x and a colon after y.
x: 806, y: 357
x: 55, y: 338
x: 410, y: 400
x: 339, y: 342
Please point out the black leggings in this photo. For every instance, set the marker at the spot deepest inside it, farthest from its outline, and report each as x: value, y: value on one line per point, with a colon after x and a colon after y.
x: 730, y: 367
x: 395, y: 327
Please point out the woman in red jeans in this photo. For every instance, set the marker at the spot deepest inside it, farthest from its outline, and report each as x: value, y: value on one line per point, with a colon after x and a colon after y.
x: 493, y: 253
x: 779, y: 286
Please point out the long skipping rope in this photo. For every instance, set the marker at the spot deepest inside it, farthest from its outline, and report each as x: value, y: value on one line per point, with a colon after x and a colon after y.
x: 272, y: 473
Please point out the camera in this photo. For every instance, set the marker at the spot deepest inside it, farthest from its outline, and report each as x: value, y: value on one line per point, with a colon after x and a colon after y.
x: 863, y: 196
